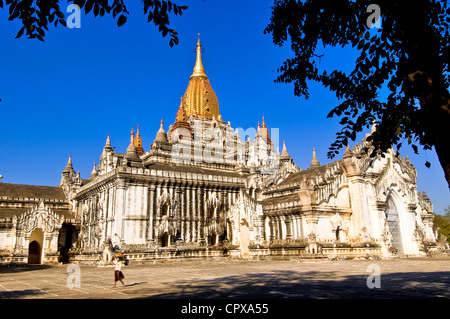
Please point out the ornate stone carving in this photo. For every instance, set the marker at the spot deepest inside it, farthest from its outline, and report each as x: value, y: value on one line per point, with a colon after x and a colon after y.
x: 39, y: 217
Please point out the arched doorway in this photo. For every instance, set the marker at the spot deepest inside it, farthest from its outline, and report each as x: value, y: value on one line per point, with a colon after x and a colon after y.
x: 338, y: 229
x: 68, y: 235
x: 165, y: 240
x: 393, y: 223
x: 34, y: 253
x: 213, y: 239
x: 165, y: 210
x: 35, y: 247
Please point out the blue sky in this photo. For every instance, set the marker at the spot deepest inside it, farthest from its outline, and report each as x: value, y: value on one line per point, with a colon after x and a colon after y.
x: 63, y: 97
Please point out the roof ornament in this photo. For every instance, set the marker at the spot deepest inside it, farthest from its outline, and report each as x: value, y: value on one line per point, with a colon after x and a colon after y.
x: 284, y: 152
x: 69, y: 167
x: 138, y: 143
x: 161, y: 135
x: 94, y: 172
x: 315, y: 161
x: 107, y: 146
x: 199, y: 70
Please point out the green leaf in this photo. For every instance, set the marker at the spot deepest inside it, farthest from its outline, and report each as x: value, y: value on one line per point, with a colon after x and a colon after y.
x: 122, y: 19
x: 20, y: 33
x: 88, y: 6
x: 361, y: 44
x: 96, y: 9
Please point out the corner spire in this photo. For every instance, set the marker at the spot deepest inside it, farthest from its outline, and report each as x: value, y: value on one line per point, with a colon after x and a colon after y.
x: 284, y: 152
x: 69, y: 167
x: 199, y: 70
x: 348, y: 152
x: 138, y: 143
x: 161, y: 135
x: 315, y: 161
x: 94, y: 172
x: 107, y: 146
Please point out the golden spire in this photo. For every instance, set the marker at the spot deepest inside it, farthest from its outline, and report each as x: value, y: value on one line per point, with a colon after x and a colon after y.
x: 199, y: 70
x: 200, y: 98
x: 181, y: 114
x: 138, y: 143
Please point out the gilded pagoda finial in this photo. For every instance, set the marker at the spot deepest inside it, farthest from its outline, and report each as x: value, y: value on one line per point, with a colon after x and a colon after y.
x: 199, y: 70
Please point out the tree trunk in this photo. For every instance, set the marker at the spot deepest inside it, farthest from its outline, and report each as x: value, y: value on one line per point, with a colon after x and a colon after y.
x: 442, y: 139
x: 428, y: 82
x: 436, y: 117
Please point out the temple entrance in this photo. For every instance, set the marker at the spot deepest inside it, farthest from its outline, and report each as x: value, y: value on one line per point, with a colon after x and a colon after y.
x: 35, y: 247
x: 67, y: 237
x: 338, y: 229
x: 165, y: 210
x: 213, y: 239
x: 393, y: 224
x: 165, y: 240
x: 34, y: 253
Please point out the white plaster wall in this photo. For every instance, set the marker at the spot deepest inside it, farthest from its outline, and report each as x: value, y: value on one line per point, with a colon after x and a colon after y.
x: 6, y: 240
x: 135, y: 218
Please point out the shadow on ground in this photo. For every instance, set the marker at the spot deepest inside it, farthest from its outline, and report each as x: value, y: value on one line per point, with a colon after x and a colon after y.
x: 311, y: 285
x: 4, y: 269
x: 19, y: 294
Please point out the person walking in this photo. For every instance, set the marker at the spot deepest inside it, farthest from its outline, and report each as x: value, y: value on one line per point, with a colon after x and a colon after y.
x: 118, y: 275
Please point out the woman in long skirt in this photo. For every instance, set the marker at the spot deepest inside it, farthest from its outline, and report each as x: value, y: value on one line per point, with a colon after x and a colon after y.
x: 118, y: 275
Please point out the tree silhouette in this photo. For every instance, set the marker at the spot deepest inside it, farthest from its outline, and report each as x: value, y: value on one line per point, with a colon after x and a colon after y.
x: 37, y: 15
x: 408, y: 56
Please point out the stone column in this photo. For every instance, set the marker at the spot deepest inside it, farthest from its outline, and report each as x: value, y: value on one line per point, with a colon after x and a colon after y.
x: 151, y: 211
x: 272, y: 229
x: 193, y: 213
x: 178, y: 211
x: 288, y: 223
x: 187, y: 229
x: 280, y: 228
x: 197, y: 213
x: 202, y: 215
x: 120, y: 207
x: 182, y: 213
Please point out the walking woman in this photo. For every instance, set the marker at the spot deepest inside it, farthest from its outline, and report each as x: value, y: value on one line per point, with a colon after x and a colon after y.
x: 118, y: 275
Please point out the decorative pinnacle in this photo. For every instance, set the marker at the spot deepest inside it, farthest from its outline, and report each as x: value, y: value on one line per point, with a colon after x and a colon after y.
x: 315, y: 161
x: 69, y: 167
x: 199, y: 70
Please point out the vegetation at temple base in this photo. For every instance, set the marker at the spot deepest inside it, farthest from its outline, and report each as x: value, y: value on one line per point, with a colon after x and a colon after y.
x: 441, y: 223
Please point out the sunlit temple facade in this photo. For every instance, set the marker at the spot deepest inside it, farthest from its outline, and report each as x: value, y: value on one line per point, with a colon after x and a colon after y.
x: 204, y: 189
